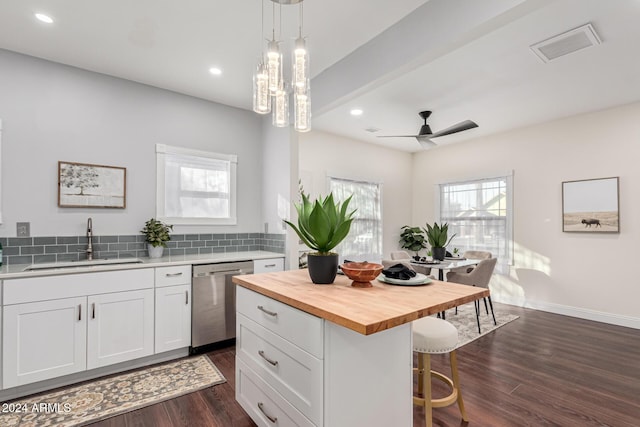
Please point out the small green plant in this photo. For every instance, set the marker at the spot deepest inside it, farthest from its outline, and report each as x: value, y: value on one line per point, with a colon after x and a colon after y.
x: 157, y: 233
x: 437, y: 235
x: 323, y: 223
x: 412, y: 239
x: 456, y: 251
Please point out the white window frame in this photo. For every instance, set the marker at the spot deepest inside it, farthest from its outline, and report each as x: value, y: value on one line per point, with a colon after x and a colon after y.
x: 508, y: 176
x: 331, y: 176
x: 161, y: 152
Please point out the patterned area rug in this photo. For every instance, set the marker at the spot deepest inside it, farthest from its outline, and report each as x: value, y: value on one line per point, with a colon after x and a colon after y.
x: 100, y: 399
x: 465, y: 322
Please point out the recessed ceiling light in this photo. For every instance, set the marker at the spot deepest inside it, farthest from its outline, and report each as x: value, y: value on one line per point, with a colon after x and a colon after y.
x: 44, y: 18
x: 356, y: 112
x: 215, y: 71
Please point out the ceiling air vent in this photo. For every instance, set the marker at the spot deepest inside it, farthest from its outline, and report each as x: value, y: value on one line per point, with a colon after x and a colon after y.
x: 566, y: 43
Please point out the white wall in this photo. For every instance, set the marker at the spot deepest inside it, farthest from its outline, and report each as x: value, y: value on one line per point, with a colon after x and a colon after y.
x: 53, y: 112
x: 279, y: 186
x: 585, y: 275
x: 323, y: 153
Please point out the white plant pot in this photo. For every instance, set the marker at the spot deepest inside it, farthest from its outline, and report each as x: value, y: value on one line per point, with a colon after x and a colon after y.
x: 155, y: 251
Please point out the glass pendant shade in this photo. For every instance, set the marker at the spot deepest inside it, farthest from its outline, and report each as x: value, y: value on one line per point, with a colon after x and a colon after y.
x: 274, y: 66
x: 281, y: 107
x: 302, y: 110
x: 300, y: 66
x: 261, y: 99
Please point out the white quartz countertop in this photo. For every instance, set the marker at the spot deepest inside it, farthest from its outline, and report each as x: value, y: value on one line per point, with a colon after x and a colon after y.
x: 17, y: 271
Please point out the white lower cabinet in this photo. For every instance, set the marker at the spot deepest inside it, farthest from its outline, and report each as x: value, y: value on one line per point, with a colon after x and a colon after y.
x: 120, y: 327
x: 97, y: 320
x: 173, y: 318
x: 44, y: 340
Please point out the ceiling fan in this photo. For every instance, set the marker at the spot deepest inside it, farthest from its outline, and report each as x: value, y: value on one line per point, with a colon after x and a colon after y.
x: 425, y: 135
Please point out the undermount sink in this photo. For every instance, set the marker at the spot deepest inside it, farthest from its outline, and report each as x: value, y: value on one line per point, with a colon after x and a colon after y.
x: 83, y: 263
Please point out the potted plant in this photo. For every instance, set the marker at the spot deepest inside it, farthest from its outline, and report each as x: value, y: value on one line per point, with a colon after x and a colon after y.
x: 437, y: 237
x: 322, y: 225
x: 412, y: 239
x: 156, y: 235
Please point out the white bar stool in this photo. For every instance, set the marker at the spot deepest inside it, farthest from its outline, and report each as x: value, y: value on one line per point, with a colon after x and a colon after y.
x: 436, y: 336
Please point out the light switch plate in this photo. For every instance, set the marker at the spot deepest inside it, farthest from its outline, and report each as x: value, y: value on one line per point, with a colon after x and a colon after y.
x: 23, y: 229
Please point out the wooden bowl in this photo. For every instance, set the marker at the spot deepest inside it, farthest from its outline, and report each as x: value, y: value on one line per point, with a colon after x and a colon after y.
x: 362, y: 273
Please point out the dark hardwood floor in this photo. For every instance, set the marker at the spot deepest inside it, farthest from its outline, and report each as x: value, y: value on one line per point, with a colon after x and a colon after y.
x: 540, y: 370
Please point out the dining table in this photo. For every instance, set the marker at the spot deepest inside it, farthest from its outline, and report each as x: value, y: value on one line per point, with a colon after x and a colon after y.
x: 448, y: 264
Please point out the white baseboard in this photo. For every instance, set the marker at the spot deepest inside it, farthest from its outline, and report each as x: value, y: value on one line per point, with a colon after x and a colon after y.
x: 581, y: 313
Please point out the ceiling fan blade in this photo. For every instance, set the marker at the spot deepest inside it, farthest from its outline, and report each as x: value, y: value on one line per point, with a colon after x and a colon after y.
x: 459, y: 127
x: 426, y: 142
x: 398, y: 136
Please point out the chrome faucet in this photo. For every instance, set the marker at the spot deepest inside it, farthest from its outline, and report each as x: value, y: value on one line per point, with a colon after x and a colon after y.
x: 89, y: 236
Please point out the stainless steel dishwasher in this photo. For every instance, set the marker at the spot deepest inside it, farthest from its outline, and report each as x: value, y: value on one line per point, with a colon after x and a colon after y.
x: 213, y: 308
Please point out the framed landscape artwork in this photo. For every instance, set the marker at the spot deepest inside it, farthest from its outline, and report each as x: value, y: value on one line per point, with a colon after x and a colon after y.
x: 591, y: 206
x: 82, y: 185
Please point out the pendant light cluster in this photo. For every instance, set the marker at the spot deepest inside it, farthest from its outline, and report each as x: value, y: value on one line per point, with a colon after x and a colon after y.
x: 270, y: 91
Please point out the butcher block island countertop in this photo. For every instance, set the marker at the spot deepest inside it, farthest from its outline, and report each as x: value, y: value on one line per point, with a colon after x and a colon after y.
x: 364, y: 310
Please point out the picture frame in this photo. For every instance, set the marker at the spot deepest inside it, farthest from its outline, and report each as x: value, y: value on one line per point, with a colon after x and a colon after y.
x: 84, y: 185
x: 591, y: 205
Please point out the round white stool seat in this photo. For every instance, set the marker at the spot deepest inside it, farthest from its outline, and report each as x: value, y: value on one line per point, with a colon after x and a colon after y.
x: 434, y: 336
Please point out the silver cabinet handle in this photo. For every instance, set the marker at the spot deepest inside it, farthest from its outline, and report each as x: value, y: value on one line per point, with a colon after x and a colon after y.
x: 186, y: 297
x: 269, y: 265
x: 79, y: 312
x: 261, y: 407
x: 273, y: 362
x: 93, y: 310
x: 264, y: 310
x: 173, y: 274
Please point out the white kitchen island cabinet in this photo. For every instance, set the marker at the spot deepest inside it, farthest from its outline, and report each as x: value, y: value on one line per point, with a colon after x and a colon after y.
x: 331, y: 355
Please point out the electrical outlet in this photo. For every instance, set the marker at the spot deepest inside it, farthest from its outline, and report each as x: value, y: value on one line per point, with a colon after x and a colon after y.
x: 23, y: 229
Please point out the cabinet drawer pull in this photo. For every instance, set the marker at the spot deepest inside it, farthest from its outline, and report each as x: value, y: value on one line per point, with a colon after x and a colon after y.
x: 269, y: 265
x: 273, y: 362
x: 186, y: 297
x: 261, y: 407
x: 93, y: 310
x: 79, y: 312
x: 173, y: 274
x: 264, y: 310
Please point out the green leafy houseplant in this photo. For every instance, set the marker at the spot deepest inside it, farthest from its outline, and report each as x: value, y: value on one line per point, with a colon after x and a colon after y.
x: 437, y: 236
x: 412, y: 239
x: 156, y: 233
x: 322, y: 225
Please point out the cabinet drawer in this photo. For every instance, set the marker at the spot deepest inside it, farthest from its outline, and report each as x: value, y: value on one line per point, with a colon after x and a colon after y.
x: 268, y: 265
x: 263, y: 404
x: 302, y: 329
x: 294, y: 373
x: 33, y: 289
x: 174, y: 275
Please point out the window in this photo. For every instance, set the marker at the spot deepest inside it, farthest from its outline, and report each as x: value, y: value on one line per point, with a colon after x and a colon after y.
x: 195, y: 187
x: 364, y: 242
x: 479, y: 212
